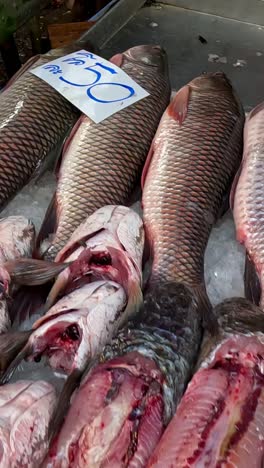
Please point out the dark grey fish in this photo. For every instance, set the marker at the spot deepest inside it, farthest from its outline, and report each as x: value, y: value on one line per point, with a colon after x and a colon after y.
x: 34, y: 121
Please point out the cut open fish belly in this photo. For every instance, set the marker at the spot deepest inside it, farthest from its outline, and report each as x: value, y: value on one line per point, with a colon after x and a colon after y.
x: 220, y: 421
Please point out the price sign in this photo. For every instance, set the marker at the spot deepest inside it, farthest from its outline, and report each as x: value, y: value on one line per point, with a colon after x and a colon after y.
x: 96, y: 86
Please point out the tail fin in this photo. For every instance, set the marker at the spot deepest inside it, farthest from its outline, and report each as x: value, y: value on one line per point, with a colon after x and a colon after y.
x: 13, y: 349
x: 251, y: 282
x: 32, y: 272
x: 28, y: 301
x: 205, y: 309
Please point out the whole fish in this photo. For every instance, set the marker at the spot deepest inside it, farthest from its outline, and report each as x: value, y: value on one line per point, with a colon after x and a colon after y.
x: 118, y: 415
x: 102, y: 162
x: 194, y: 156
x: 34, y: 121
x: 17, y: 240
x: 247, y: 202
x: 220, y: 419
x: 107, y: 246
x: 25, y: 411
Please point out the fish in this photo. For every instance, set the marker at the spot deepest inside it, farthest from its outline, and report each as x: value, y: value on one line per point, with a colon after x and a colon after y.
x: 34, y: 121
x: 193, y: 159
x: 129, y: 394
x: 246, y: 201
x: 101, y: 163
x: 108, y: 246
x: 25, y: 410
x: 219, y: 421
x: 76, y: 327
x: 17, y: 240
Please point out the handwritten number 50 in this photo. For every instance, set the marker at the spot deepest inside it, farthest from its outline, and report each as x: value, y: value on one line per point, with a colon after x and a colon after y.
x: 95, y: 84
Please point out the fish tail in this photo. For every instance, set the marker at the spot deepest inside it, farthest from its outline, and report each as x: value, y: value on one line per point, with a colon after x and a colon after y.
x: 26, y: 302
x: 32, y: 272
x: 178, y: 303
x: 13, y: 349
x: 205, y: 309
x: 251, y: 282
x: 72, y: 382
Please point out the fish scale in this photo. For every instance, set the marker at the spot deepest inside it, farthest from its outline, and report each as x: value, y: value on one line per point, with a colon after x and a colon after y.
x: 110, y: 154
x: 34, y: 119
x: 193, y: 164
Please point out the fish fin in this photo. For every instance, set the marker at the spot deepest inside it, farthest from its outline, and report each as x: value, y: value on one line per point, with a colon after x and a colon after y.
x: 72, y: 382
x: 204, y: 307
x: 26, y: 302
x: 117, y: 60
x: 224, y: 205
x: 29, y: 64
x: 49, y: 224
x: 147, y: 164
x: 134, y: 303
x: 251, y: 282
x: 33, y: 272
x: 178, y: 107
x: 234, y: 186
x: 12, y: 350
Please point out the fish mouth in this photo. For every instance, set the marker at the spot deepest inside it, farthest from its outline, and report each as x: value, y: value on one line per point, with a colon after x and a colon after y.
x: 94, y: 264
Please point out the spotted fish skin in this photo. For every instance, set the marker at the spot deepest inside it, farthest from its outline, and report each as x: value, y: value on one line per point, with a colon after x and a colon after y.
x: 195, y: 154
x: 34, y: 120
x: 102, y: 162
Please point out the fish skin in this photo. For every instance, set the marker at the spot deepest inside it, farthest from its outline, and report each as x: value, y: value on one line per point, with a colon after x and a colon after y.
x: 17, y: 240
x: 219, y: 421
x: 194, y: 156
x: 247, y: 204
x: 34, y: 120
x: 25, y: 411
x: 111, y: 153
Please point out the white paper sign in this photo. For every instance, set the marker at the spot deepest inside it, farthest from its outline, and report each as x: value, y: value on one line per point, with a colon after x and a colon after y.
x: 96, y: 86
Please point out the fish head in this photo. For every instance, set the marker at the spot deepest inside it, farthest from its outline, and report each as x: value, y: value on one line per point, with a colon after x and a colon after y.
x: 109, y: 245
x: 25, y: 412
x: 76, y: 328
x: 211, y: 81
x: 120, y: 416
x: 148, y: 55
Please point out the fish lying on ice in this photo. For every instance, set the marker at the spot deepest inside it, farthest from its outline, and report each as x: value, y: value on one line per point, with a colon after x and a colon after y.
x: 25, y: 411
x: 220, y: 419
x: 192, y: 161
x: 34, y: 121
x: 107, y: 246
x: 247, y: 201
x: 101, y: 163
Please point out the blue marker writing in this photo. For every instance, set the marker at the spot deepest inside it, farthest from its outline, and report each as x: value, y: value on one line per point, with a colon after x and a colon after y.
x: 128, y: 88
